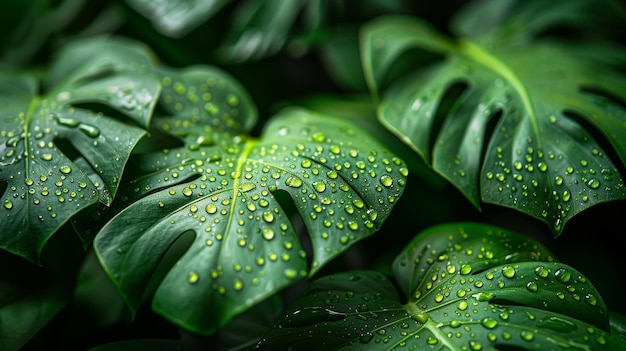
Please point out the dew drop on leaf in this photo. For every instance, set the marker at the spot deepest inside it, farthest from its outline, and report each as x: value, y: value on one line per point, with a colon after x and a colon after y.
x: 193, y: 277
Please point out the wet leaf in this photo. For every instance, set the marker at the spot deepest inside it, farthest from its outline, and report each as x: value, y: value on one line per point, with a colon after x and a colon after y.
x: 245, y: 248
x: 508, y: 121
x: 65, y: 149
x: 464, y: 286
x: 41, y: 134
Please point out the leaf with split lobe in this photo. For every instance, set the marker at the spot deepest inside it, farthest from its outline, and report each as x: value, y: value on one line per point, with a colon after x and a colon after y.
x: 245, y: 248
x: 41, y: 135
x: 463, y: 286
x: 508, y: 122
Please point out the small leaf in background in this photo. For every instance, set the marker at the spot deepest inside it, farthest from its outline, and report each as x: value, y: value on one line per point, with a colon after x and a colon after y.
x: 260, y: 28
x: 177, y: 18
x: 29, y: 298
x: 508, y: 122
x: 342, y: 182
x: 464, y: 286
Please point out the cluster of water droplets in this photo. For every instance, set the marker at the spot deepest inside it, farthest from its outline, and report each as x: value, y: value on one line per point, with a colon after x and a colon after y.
x: 203, y: 103
x: 552, y: 180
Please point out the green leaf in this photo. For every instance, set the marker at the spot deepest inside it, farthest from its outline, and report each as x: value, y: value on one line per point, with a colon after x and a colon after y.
x: 261, y: 28
x: 30, y: 297
x: 342, y: 182
x: 66, y: 149
x: 464, y: 286
x: 177, y: 18
x: 140, y: 344
x: 41, y: 135
x: 543, y: 99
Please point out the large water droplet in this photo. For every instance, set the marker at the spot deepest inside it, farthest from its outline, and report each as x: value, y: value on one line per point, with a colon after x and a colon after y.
x: 311, y: 315
x: 89, y: 130
x: 557, y: 324
x: 293, y: 182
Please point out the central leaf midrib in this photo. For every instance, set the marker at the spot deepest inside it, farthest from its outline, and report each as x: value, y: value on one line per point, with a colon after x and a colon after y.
x: 477, y: 54
x: 241, y: 160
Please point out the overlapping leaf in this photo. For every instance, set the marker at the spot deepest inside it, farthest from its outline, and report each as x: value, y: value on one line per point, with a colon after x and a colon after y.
x: 60, y: 154
x: 44, y: 185
x: 540, y: 97
x: 469, y: 287
x: 245, y: 248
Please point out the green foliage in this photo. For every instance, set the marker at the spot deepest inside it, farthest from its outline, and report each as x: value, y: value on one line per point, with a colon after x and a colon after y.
x: 461, y: 286
x: 246, y: 248
x: 151, y: 199
x: 506, y: 117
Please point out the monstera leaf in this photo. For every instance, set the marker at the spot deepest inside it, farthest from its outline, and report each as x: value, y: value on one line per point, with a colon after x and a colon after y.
x: 463, y: 286
x: 64, y: 150
x: 245, y: 248
x: 177, y: 18
x: 507, y: 118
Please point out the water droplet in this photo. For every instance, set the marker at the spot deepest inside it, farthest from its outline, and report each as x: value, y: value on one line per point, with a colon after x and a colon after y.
x: 318, y: 137
x: 268, y: 234
x: 319, y: 186
x: 591, y: 299
x: 89, y: 130
x: 532, y: 286
x: 67, y: 122
x: 489, y: 323
x: 193, y: 277
x: 46, y: 157
x: 268, y: 216
x: 386, y: 180
x: 291, y: 273
x: 527, y: 335
x: 475, y: 345
x: 65, y: 169
x: 542, y: 271
x: 593, y: 183
x: 562, y: 275
x: 8, y: 204
x: 245, y: 187
x: 366, y: 337
x: 508, y: 271
x: 557, y: 324
x: 211, y: 208
x: 311, y: 315
x: 466, y: 269
x: 293, y: 182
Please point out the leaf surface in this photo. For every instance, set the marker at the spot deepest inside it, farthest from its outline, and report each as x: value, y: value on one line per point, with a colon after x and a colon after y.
x: 464, y: 286
x: 245, y: 247
x: 507, y: 122
x: 42, y: 136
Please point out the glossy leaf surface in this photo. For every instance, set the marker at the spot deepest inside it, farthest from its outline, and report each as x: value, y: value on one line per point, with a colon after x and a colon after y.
x: 42, y: 135
x: 66, y: 149
x: 463, y: 286
x: 245, y: 247
x: 507, y: 120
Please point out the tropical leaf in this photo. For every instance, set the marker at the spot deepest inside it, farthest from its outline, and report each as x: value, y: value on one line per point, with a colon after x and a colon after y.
x: 245, y: 248
x: 63, y: 151
x: 177, y: 18
x: 40, y: 135
x: 463, y: 286
x: 30, y: 297
x: 507, y: 120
